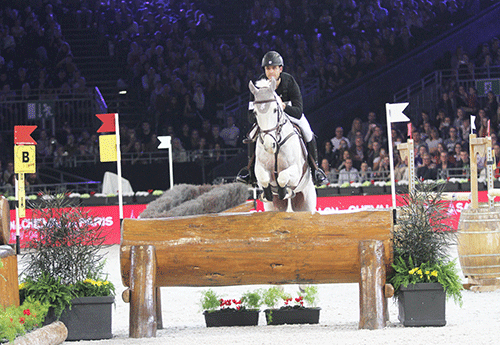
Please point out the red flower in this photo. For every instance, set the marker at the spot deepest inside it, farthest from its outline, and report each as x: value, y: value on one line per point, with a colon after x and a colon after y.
x: 21, y: 320
x: 92, y: 193
x: 150, y: 191
x: 27, y: 312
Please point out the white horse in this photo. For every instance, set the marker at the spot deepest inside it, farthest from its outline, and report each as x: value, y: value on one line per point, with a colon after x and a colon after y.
x: 281, y: 166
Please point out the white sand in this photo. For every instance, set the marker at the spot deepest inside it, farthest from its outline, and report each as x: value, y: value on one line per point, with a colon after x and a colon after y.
x: 477, y: 322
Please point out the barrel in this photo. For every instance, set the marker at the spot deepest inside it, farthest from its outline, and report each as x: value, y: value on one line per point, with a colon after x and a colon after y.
x: 4, y: 221
x: 479, y: 242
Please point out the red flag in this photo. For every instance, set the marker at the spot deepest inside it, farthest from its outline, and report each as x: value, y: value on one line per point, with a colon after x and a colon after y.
x: 108, y: 123
x: 22, y: 135
x: 409, y: 130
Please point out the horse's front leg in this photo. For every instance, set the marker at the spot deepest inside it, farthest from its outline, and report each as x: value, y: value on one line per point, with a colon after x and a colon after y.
x: 284, y: 182
x: 264, y: 178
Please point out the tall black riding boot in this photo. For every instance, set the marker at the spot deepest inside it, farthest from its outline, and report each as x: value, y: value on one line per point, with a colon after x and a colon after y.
x: 318, y: 174
x: 247, y: 174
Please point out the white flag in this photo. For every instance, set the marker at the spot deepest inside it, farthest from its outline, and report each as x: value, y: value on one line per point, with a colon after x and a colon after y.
x: 472, y: 123
x: 395, y: 112
x: 165, y: 142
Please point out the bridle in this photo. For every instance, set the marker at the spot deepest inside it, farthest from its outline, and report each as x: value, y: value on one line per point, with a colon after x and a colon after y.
x: 280, y: 122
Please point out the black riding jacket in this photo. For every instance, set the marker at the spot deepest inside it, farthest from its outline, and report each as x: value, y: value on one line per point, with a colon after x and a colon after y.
x: 290, y: 94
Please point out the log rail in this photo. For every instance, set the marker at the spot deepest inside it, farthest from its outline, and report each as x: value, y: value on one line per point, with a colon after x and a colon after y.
x: 256, y: 248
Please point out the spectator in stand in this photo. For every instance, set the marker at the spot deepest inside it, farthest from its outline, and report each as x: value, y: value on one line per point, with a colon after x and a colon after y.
x: 400, y: 168
x: 348, y: 174
x: 444, y: 166
x: 428, y: 170
x: 339, y: 135
x: 330, y: 173
x: 365, y: 173
x: 452, y: 140
x: 8, y: 172
x: 464, y: 163
x: 419, y: 156
x: 355, y: 128
x: 465, y: 129
x: 433, y: 141
x: 368, y: 126
x: 231, y: 133
x: 496, y: 152
x: 491, y: 108
x: 358, y: 152
x: 179, y: 154
x: 484, y: 127
x: 329, y: 154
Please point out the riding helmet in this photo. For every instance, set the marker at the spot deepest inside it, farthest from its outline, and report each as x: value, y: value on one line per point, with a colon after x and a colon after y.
x: 272, y: 58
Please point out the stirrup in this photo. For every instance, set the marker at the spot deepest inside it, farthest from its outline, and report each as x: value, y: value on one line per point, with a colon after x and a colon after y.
x: 320, y: 177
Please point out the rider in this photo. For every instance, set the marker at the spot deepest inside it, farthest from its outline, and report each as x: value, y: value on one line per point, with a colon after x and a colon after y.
x: 290, y: 98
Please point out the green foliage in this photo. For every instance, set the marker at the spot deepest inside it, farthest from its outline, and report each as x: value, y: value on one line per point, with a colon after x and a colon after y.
x: 310, y: 295
x: 446, y: 274
x: 210, y: 301
x: 272, y: 296
x: 251, y: 300
x: 66, y: 241
x: 48, y: 290
x: 16, y: 321
x: 423, y: 230
x: 421, y: 239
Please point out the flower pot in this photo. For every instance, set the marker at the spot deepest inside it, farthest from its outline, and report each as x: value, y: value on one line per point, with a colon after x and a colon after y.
x: 88, y: 319
x: 422, y: 304
x: 292, y: 316
x: 231, y: 317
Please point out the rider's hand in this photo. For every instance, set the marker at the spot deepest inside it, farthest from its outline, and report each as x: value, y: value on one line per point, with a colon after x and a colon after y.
x: 283, y: 105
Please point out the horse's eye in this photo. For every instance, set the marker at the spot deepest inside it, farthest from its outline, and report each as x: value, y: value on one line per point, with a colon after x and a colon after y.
x: 275, y: 110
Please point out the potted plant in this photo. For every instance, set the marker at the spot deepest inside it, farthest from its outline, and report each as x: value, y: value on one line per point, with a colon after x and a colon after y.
x: 286, y: 309
x: 230, y: 312
x: 63, y: 267
x: 424, y: 275
x: 16, y: 321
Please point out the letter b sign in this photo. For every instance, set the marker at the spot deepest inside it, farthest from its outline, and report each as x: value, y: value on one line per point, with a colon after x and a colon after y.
x: 24, y: 159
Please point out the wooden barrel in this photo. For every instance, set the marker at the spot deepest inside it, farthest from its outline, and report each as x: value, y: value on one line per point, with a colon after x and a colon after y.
x: 479, y: 242
x: 4, y: 221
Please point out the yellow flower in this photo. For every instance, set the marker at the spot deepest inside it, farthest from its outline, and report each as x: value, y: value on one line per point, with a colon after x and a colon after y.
x: 99, y: 283
x: 434, y: 273
x: 412, y: 271
x: 105, y: 283
x: 427, y: 272
x: 22, y: 286
x: 419, y: 272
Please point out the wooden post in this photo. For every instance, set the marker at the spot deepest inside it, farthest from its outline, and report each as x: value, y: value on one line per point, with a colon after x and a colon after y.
x: 159, y: 317
x: 473, y: 169
x: 372, y: 301
x: 143, y: 292
x: 4, y: 221
x: 9, y: 282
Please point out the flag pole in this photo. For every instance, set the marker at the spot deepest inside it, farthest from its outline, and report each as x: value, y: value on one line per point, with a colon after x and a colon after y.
x: 391, y: 154
x: 119, y: 168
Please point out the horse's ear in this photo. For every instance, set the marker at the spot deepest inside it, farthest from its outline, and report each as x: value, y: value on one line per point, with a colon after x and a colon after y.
x: 252, y: 87
x: 273, y: 84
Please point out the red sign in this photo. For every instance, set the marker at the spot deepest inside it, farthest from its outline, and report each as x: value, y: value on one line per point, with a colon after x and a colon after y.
x: 22, y: 135
x: 108, y: 123
x: 107, y: 216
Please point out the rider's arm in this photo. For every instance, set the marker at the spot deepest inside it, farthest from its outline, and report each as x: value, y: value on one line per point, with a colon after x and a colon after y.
x: 295, y: 109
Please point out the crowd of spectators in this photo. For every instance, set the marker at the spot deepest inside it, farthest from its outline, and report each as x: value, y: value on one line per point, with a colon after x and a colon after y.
x: 441, y: 138
x: 180, y: 69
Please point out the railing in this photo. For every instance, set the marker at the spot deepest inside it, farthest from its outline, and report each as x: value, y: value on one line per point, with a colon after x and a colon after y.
x: 74, y: 187
x: 48, y: 107
x: 426, y: 93
x: 196, y: 156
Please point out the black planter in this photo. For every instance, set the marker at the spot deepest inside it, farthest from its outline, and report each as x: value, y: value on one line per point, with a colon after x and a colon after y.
x: 231, y: 317
x: 422, y: 304
x: 292, y: 316
x: 88, y: 319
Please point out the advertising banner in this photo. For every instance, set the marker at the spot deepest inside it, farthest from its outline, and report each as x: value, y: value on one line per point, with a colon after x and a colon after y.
x: 108, y: 216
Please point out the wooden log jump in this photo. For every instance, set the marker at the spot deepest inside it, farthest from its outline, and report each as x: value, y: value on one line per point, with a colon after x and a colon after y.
x: 256, y: 248
x: 9, y: 282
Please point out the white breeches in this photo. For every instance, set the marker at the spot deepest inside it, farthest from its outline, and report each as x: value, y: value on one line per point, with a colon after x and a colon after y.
x: 304, y: 127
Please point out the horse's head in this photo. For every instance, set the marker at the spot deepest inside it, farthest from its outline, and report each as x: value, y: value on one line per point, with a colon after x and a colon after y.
x: 267, y: 110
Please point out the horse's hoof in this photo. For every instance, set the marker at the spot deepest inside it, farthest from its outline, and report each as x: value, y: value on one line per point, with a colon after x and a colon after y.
x: 281, y: 193
x: 268, y: 194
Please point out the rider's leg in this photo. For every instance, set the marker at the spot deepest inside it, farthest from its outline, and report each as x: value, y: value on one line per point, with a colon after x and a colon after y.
x: 318, y: 174
x: 247, y: 174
